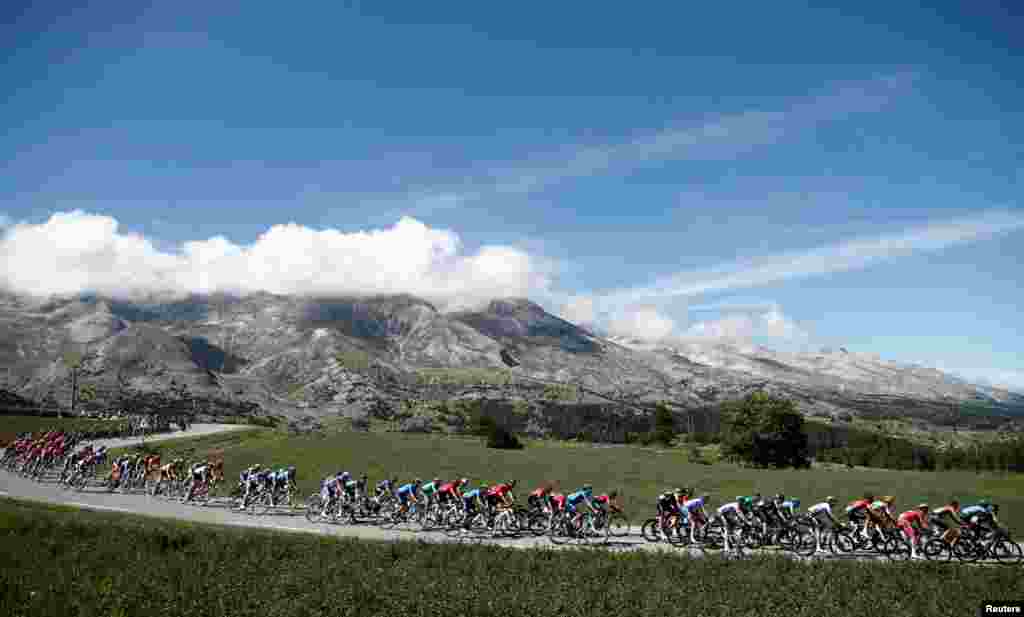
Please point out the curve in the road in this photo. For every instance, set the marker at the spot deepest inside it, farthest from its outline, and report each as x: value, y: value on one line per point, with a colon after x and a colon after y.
x: 97, y: 499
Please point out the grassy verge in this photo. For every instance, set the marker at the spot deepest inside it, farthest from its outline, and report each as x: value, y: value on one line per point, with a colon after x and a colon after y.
x: 22, y: 424
x: 639, y: 473
x: 61, y: 562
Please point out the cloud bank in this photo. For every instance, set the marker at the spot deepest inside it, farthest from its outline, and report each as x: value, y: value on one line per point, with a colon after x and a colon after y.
x: 73, y: 252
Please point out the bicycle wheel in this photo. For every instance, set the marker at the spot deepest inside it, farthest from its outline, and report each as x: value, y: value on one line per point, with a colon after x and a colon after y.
x: 1005, y: 552
x: 805, y: 544
x: 842, y: 542
x: 538, y: 523
x: 937, y: 549
x: 897, y: 549
x: 618, y: 525
x: 313, y: 509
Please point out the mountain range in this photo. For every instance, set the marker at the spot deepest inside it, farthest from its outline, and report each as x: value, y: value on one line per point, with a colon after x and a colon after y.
x: 325, y: 355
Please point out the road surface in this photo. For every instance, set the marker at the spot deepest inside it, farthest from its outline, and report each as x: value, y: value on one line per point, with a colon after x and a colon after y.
x: 220, y: 512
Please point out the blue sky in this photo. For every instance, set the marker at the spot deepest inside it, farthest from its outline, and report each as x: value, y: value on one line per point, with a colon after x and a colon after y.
x: 598, y: 153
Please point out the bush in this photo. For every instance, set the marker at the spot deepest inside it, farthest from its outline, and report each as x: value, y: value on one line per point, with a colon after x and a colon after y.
x: 501, y: 438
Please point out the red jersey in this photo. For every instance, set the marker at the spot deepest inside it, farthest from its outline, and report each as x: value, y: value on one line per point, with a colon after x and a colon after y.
x: 604, y: 500
x: 540, y: 492
x: 911, y: 517
x: 558, y: 500
x: 499, y: 491
x: 447, y: 487
x: 860, y: 504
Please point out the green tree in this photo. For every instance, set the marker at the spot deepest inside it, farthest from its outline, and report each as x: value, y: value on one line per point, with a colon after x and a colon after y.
x: 765, y: 431
x: 664, y: 425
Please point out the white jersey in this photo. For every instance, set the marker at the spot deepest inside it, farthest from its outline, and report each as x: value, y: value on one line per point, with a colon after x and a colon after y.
x: 820, y: 508
x: 729, y: 507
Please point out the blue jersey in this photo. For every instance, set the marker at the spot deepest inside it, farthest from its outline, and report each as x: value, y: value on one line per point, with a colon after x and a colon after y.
x: 972, y: 510
x: 577, y: 497
x: 473, y: 494
x: 407, y: 489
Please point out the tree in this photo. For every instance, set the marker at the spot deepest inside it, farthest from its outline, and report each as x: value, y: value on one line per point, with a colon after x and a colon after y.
x: 664, y: 425
x: 765, y: 431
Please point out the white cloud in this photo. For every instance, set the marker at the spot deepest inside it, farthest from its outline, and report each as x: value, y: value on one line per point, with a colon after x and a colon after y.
x: 642, y: 322
x: 845, y: 256
x: 579, y: 310
x: 745, y: 324
x: 78, y: 251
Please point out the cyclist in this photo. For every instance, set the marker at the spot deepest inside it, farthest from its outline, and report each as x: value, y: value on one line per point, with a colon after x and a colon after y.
x: 500, y: 497
x: 880, y: 514
x: 200, y: 475
x: 857, y: 513
x: 911, y: 522
x: 539, y: 497
x: 938, y: 517
x: 471, y: 501
x: 584, y: 495
x: 666, y: 507
x: 981, y: 516
x: 789, y: 508
x: 428, y: 490
x: 351, y: 487
x: 451, y: 491
x: 386, y: 488
x: 407, y: 492
x: 733, y: 516
x: 767, y: 511
x: 696, y: 515
x: 821, y: 513
x: 603, y: 502
x: 556, y: 503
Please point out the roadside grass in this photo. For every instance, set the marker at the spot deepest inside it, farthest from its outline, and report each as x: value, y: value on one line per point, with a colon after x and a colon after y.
x: 76, y: 563
x: 639, y: 474
x: 24, y: 424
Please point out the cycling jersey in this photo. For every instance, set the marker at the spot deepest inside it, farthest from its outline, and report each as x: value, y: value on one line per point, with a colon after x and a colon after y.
x: 945, y: 512
x: 447, y: 488
x: 970, y: 511
x: 471, y: 495
x: 499, y: 491
x: 602, y: 500
x: 912, y: 517
x: 820, y: 508
x: 406, y: 490
x: 540, y: 492
x: 858, y: 506
x: 729, y: 509
x: 428, y: 489
x: 693, y: 505
x: 557, y: 501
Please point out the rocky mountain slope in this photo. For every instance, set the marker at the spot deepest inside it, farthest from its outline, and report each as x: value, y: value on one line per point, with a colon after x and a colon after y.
x: 338, y: 354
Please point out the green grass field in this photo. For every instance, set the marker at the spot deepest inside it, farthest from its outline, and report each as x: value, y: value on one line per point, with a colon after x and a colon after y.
x: 638, y: 473
x: 61, y: 561
x: 21, y: 424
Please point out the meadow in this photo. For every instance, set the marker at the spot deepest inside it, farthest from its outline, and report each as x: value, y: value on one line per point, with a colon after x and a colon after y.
x: 638, y: 473
x: 62, y: 561
x: 12, y: 425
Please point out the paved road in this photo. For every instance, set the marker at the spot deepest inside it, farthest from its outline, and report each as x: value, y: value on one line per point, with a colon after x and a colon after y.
x: 94, y: 498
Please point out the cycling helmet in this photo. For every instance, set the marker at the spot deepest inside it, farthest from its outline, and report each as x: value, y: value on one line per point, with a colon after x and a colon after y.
x: 511, y: 483
x: 831, y: 499
x: 339, y: 474
x: 889, y: 499
x: 417, y: 481
x: 587, y: 488
x: 463, y: 481
x: 796, y: 503
x: 922, y: 506
x: 995, y: 508
x: 437, y: 480
x: 955, y: 504
x: 779, y: 497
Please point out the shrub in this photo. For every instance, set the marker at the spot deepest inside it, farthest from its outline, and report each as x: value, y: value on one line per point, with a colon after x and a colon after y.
x: 501, y: 438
